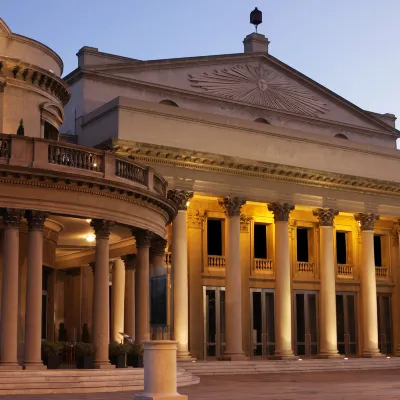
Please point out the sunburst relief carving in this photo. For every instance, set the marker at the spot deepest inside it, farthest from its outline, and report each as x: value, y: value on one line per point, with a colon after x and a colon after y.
x: 260, y: 85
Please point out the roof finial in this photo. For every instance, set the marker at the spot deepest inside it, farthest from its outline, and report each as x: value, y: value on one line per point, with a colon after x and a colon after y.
x: 256, y: 17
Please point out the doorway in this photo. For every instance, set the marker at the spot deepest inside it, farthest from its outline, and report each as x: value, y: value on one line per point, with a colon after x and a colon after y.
x: 346, y: 320
x: 262, y: 334
x: 306, y: 328
x: 384, y: 306
x: 214, y: 321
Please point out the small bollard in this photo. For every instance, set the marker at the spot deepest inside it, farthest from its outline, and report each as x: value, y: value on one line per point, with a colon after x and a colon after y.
x: 160, y: 371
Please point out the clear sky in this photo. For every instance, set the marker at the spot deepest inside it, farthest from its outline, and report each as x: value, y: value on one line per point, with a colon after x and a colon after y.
x: 350, y: 46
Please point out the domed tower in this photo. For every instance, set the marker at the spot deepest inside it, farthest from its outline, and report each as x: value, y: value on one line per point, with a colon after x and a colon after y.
x: 32, y: 94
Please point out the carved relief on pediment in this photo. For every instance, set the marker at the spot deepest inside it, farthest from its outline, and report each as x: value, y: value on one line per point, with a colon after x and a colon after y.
x: 260, y: 85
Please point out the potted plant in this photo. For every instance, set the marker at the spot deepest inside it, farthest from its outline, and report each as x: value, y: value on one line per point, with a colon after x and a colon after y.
x: 84, y: 355
x: 51, y: 354
x: 117, y: 352
x: 135, y: 355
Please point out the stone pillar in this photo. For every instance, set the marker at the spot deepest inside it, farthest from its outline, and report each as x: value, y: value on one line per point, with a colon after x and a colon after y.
x: 157, y: 252
x: 327, y: 309
x: 233, y: 281
x: 101, y: 297
x: 368, y: 285
x: 130, y: 262
x: 9, y: 290
x: 118, y: 299
x: 33, y: 316
x: 180, y: 273
x: 142, y: 286
x: 283, y: 293
x: 160, y: 371
x: 3, y: 85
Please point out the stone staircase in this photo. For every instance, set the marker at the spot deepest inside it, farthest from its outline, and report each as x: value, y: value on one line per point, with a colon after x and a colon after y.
x: 200, y: 368
x: 79, y: 381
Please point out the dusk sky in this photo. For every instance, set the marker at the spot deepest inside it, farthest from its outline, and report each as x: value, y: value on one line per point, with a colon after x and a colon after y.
x: 350, y: 46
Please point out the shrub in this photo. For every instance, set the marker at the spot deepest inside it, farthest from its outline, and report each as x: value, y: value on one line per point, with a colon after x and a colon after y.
x: 83, y: 349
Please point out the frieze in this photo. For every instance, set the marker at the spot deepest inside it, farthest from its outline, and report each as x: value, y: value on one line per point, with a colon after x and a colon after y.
x: 325, y: 216
x: 231, y: 205
x: 196, y: 219
x: 260, y: 85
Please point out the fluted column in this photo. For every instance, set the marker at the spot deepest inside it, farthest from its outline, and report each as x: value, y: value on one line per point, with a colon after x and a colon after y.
x: 368, y: 285
x: 327, y: 313
x: 33, y: 316
x: 130, y: 262
x: 142, y: 289
x: 283, y: 294
x: 9, y: 290
x: 157, y: 253
x: 101, y: 297
x: 118, y: 300
x: 233, y: 281
x: 180, y: 273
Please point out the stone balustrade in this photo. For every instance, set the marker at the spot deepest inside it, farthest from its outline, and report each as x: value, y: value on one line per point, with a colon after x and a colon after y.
x: 345, y: 271
x: 217, y: 262
x: 4, y: 147
x: 381, y: 272
x: 263, y: 265
x: 305, y: 267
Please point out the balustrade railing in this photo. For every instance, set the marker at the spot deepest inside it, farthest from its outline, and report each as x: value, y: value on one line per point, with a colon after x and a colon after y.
x: 216, y: 262
x: 263, y: 265
x: 159, y: 185
x: 130, y: 170
x: 75, y: 158
x: 4, y: 147
x: 305, y: 267
x: 381, y: 272
x: 345, y: 271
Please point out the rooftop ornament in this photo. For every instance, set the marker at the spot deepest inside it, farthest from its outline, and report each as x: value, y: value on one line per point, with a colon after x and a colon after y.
x: 256, y: 17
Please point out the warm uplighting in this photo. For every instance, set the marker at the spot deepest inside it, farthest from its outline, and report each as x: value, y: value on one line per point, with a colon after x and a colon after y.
x: 187, y: 203
x: 95, y: 165
x: 88, y: 220
x: 90, y: 238
x: 346, y: 358
x: 300, y: 359
x: 387, y: 357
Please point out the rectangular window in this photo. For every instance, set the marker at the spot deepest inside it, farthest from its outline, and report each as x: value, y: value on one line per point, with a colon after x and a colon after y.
x: 341, y: 248
x: 302, y: 244
x: 378, y: 250
x: 214, y: 237
x: 260, y: 241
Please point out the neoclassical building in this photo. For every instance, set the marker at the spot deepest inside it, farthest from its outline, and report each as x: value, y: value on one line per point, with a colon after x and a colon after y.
x: 277, y: 235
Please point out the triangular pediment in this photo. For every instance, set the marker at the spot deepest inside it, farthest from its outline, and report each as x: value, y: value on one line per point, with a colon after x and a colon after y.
x: 256, y: 80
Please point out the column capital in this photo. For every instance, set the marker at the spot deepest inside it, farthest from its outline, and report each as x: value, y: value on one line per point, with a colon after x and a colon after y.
x: 325, y: 215
x: 11, y: 217
x: 281, y: 211
x: 232, y: 205
x: 143, y: 238
x: 36, y: 220
x: 130, y: 261
x: 158, y: 245
x: 396, y: 225
x: 366, y: 220
x: 102, y: 228
x: 180, y: 198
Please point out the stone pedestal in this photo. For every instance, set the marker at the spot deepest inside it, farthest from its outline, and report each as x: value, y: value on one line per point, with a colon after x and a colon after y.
x: 160, y: 371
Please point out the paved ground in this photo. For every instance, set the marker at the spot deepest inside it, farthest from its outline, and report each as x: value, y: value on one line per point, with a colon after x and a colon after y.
x: 365, y: 385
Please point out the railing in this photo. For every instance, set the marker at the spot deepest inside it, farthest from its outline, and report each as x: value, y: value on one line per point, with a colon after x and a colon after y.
x: 305, y: 267
x: 345, y: 271
x: 381, y: 272
x: 216, y: 262
x: 75, y: 158
x: 263, y: 265
x: 159, y: 185
x: 168, y: 259
x: 130, y: 170
x: 4, y: 147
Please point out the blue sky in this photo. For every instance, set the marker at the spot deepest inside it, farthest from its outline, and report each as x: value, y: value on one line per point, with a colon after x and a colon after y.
x: 350, y: 46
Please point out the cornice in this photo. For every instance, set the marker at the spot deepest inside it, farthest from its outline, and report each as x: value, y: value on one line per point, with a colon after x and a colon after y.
x: 207, y: 162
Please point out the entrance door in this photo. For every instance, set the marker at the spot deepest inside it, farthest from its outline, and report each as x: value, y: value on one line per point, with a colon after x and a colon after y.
x: 214, y: 321
x: 262, y: 322
x: 385, y: 323
x: 346, y: 318
x: 306, y: 310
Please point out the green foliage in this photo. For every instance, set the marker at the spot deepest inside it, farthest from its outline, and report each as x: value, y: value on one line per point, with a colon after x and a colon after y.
x: 84, y: 349
x: 117, y: 349
x: 134, y: 349
x: 52, y: 348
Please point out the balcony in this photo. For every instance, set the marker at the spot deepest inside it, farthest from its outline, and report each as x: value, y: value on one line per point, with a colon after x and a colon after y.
x: 305, y: 268
x: 345, y: 271
x: 263, y: 266
x: 216, y: 262
x: 381, y: 272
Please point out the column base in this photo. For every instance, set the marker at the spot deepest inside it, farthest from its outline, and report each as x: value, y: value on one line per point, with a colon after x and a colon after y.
x: 397, y: 351
x: 184, y: 356
x: 327, y: 355
x: 233, y: 357
x: 10, y: 367
x: 371, y: 353
x: 284, y: 355
x: 34, y: 366
x: 102, y: 365
x: 159, y: 397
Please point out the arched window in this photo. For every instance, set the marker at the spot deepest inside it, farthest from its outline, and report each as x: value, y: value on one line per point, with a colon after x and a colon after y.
x: 262, y: 121
x: 341, y: 136
x: 169, y: 103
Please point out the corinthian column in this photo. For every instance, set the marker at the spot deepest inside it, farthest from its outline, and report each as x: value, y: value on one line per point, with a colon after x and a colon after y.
x: 368, y: 285
x: 101, y: 297
x: 33, y: 316
x: 328, y: 336
x: 118, y: 299
x: 157, y: 252
x: 130, y: 262
x: 283, y: 295
x: 142, y: 290
x: 9, y: 290
x: 233, y: 281
x: 180, y: 272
